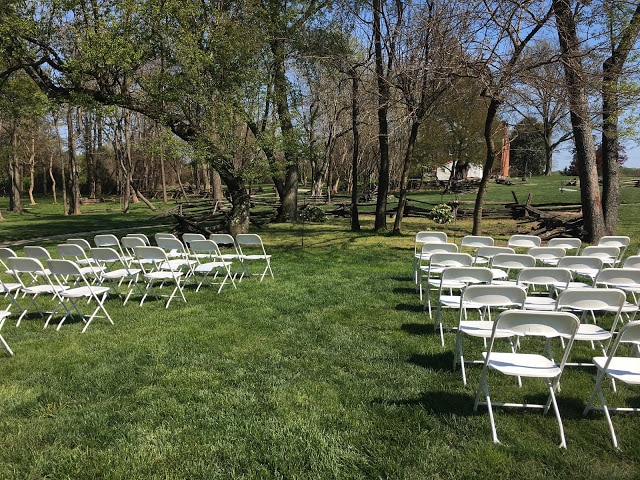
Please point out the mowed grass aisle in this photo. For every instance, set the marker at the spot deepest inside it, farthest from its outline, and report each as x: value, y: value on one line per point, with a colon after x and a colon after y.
x: 329, y: 371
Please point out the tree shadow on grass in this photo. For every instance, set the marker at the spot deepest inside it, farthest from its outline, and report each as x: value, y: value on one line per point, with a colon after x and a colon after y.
x: 438, y: 402
x: 418, y: 328
x: 435, y: 361
x: 409, y: 307
x: 404, y: 291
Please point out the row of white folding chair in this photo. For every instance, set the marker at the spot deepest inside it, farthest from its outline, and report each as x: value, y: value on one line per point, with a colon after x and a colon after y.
x: 61, y: 279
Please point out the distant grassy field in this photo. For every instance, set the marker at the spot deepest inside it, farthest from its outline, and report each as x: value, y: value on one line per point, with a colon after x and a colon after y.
x: 330, y: 370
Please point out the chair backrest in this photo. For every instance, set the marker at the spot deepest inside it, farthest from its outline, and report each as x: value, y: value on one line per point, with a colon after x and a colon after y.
x: 6, y: 252
x: 475, y: 241
x: 547, y: 253
x: 632, y: 262
x: 163, y: 235
x: 451, y: 259
x: 534, y: 323
x: 71, y: 250
x: 629, y: 333
x: 81, y: 242
x: 605, y: 252
x: 131, y: 241
x: 514, y: 261
x: 580, y: 262
x: 187, y: 238
x: 205, y: 246
x: 146, y: 252
x: 105, y: 255
x: 171, y: 244
x: 618, y: 277
x: 620, y: 241
x: 524, y: 241
x: 142, y: 236
x: 64, y: 268
x: 467, y: 275
x: 539, y: 276
x: 36, y: 251
x: 489, y: 252
x: 433, y: 248
x: 591, y: 299
x: 569, y: 244
x: 106, y: 240
x: 25, y: 265
x: 248, y: 239
x: 225, y: 241
x: 494, y: 295
x: 430, y: 237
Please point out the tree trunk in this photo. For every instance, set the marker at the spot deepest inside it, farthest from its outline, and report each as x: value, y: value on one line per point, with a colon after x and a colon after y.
x: 74, y: 167
x: 383, y: 126
x: 289, y: 196
x: 355, y: 112
x: 404, y: 180
x: 571, y: 55
x: 15, y: 178
x: 32, y: 170
x: 488, y: 166
x: 612, y: 71
x: 53, y: 179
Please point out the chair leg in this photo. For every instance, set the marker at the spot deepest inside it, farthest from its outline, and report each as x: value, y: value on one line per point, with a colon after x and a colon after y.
x: 552, y: 400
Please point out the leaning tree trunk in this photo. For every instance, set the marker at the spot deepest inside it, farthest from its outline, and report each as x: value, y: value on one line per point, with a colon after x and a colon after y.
x: 32, y: 170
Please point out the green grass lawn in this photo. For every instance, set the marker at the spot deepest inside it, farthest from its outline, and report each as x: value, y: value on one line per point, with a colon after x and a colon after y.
x: 330, y: 370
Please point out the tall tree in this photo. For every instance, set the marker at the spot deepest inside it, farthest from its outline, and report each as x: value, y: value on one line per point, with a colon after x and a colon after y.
x: 571, y: 53
x: 624, y: 23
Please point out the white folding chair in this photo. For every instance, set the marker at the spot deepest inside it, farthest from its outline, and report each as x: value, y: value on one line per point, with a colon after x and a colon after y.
x: 61, y: 271
x: 615, y: 366
x: 627, y: 280
x: 547, y: 255
x: 6, y: 252
x: 161, y: 235
x: 81, y: 242
x: 10, y: 290
x: 39, y: 253
x: 542, y: 283
x: 521, y: 364
x: 142, y: 236
x: 473, y: 242
x: 110, y: 240
x: 419, y: 239
x: 228, y: 250
x: 75, y: 253
x: 210, y: 265
x: 157, y: 270
x: 3, y: 316
x: 437, y: 264
x: 632, y: 262
x: 252, y: 250
x: 503, y: 264
x: 524, y: 241
x: 607, y: 253
x: 483, y: 298
x: 620, y: 241
x: 426, y: 252
x: 114, y: 271
x: 588, y: 301
x: 581, y: 267
x: 484, y: 255
x: 177, y: 254
x: 452, y: 281
x: 570, y: 244
x: 34, y: 282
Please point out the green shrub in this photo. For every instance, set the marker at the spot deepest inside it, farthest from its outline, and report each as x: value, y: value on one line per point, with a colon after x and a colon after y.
x: 313, y: 213
x: 442, y: 213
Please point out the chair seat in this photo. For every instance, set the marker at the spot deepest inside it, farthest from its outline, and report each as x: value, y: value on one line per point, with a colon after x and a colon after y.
x: 256, y: 257
x: 78, y: 292
x: 40, y: 289
x: 540, y: 303
x: 625, y: 369
x: 120, y: 273
x: 162, y: 275
x: 523, y: 365
x: 481, y: 329
x: 591, y: 332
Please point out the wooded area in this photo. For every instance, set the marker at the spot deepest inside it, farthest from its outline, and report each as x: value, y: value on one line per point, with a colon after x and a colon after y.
x: 160, y: 98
